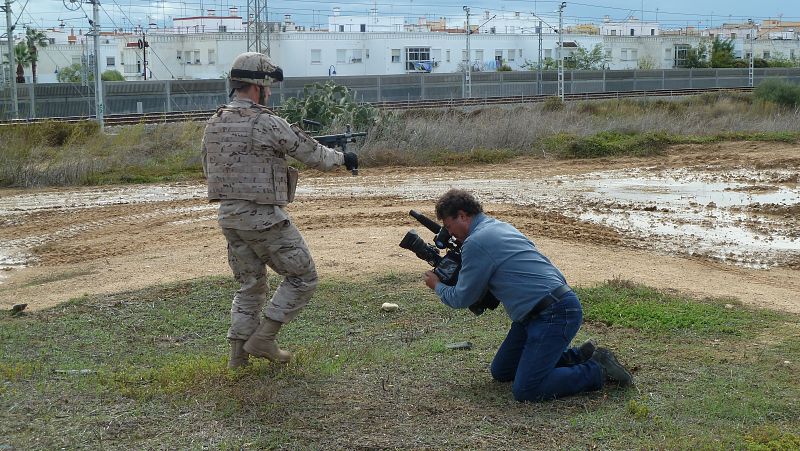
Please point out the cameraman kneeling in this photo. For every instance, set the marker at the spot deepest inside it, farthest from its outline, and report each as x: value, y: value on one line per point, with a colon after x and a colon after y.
x: 545, y: 312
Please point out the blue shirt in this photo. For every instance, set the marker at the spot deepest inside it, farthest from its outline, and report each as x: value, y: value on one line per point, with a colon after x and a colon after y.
x: 497, y: 257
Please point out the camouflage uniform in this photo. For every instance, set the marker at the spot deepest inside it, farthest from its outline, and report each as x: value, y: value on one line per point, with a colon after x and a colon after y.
x: 244, y: 158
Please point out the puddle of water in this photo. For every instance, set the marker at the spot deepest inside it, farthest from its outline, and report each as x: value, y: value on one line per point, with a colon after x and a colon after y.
x: 686, y: 212
x: 677, y: 211
x: 89, y: 198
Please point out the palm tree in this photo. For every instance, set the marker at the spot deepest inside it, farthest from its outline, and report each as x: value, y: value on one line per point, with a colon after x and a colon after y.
x: 23, y: 57
x: 34, y: 38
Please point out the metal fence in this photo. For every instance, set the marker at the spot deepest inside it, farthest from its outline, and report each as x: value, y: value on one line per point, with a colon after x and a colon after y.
x: 70, y: 99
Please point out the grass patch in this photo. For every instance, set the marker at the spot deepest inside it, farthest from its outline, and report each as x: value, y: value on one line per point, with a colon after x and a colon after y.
x: 66, y: 275
x: 147, y: 369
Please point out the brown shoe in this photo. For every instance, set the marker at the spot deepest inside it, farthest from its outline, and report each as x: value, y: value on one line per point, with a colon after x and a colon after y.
x: 238, y: 356
x: 263, y: 342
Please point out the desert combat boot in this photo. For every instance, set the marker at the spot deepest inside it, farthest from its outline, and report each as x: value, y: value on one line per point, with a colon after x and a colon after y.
x: 238, y: 356
x: 263, y: 344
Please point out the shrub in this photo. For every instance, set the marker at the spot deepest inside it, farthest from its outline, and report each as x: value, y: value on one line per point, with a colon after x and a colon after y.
x: 553, y: 104
x: 779, y: 92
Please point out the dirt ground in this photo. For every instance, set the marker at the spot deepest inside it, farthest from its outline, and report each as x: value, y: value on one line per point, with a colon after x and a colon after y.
x: 93, y: 241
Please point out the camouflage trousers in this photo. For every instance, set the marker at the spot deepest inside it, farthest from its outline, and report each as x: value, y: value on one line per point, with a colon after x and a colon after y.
x: 281, y: 248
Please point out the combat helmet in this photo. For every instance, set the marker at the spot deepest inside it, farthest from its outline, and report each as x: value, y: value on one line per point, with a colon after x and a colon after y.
x: 254, y: 68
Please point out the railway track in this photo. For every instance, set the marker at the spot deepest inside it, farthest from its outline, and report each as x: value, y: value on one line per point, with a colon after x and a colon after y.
x: 202, y: 115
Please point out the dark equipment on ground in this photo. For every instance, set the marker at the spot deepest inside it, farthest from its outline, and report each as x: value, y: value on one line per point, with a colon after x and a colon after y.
x: 338, y: 140
x: 445, y: 267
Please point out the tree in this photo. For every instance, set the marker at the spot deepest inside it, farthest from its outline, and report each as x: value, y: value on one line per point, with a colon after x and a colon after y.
x: 112, y: 75
x: 74, y: 74
x: 23, y: 57
x: 71, y: 74
x: 697, y: 56
x: 34, y: 38
x: 722, y: 53
x: 583, y: 59
x: 647, y: 62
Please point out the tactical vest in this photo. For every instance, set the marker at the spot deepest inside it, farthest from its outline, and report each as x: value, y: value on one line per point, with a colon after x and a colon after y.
x: 239, y: 168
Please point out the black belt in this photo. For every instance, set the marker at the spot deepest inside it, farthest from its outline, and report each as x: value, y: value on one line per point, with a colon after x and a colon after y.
x: 548, y: 300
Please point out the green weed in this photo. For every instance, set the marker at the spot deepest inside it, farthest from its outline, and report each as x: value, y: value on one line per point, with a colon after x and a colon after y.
x: 147, y: 369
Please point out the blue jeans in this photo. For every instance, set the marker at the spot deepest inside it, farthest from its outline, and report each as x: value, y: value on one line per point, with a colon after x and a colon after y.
x: 535, y: 356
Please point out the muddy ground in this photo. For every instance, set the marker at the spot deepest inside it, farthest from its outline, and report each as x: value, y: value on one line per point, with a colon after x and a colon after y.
x: 710, y: 221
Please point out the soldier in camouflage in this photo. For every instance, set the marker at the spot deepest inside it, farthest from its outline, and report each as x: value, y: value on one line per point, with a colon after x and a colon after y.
x: 244, y: 159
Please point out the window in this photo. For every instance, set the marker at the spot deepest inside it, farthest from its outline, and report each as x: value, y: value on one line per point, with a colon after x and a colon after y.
x: 341, y: 28
x: 341, y: 55
x: 548, y: 53
x: 223, y: 28
x: 791, y: 54
x: 623, y: 54
x: 520, y: 53
x: 187, y: 57
x: 363, y: 28
x: 634, y: 54
x: 733, y: 35
x: 356, y: 56
x: 212, y: 56
x: 681, y: 54
x: 52, y: 41
x: 464, y: 56
x: 110, y: 61
x: 766, y: 55
x: 633, y: 32
x: 608, y: 55
x: 197, y: 56
x: 447, y: 56
x: 498, y: 54
x: 415, y: 56
x: 479, y: 55
x: 613, y: 32
x: 179, y: 54
x: 316, y: 56
x: 652, y: 32
x: 395, y: 55
x: 512, y: 54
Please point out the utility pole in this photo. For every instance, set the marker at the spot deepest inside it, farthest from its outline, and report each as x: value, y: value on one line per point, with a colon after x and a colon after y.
x: 539, y: 66
x: 12, y: 63
x: 143, y: 44
x: 751, y: 72
x: 469, y: 62
x: 560, y: 50
x: 255, y: 39
x: 98, y: 83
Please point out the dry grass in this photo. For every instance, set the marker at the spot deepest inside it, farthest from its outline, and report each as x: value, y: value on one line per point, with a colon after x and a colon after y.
x: 68, y: 154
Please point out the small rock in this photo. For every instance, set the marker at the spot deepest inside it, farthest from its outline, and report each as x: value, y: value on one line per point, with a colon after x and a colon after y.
x: 389, y: 307
x: 787, y: 362
x: 459, y: 345
x: 728, y: 306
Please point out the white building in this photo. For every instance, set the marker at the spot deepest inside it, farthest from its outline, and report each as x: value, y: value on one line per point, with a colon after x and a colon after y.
x: 209, y: 23
x: 186, y: 52
x: 632, y: 27
x: 373, y: 23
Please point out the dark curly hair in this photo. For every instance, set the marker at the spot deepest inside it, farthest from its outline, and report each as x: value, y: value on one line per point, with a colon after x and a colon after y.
x: 454, y: 200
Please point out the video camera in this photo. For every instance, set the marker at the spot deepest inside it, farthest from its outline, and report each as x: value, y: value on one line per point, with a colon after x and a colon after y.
x: 445, y: 267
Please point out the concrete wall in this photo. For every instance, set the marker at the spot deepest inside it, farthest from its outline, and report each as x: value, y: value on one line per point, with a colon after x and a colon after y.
x: 65, y: 99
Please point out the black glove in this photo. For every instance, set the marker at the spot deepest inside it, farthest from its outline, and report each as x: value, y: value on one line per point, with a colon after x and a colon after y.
x: 351, y: 161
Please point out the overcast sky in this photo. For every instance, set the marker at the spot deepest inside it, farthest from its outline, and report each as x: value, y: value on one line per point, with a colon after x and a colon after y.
x: 672, y: 14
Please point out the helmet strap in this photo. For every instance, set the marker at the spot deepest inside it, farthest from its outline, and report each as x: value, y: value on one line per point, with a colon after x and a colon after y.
x: 262, y: 95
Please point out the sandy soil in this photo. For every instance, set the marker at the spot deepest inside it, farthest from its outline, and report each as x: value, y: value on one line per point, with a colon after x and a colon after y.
x: 123, y: 245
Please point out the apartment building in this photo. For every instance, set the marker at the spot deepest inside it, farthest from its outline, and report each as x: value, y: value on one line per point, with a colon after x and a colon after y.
x: 203, y: 47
